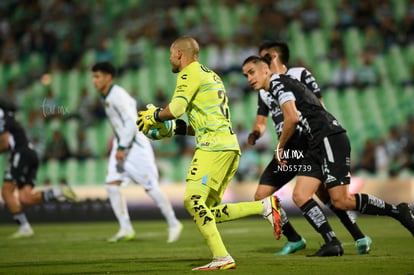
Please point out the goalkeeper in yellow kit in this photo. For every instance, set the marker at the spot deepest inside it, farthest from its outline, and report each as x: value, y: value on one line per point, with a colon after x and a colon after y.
x: 201, y: 94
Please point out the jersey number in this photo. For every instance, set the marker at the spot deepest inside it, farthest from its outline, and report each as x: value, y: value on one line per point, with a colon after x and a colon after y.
x: 224, y: 108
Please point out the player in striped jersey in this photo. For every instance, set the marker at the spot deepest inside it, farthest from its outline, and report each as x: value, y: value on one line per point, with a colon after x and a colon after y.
x: 273, y: 179
x: 20, y: 174
x: 327, y: 154
x: 200, y: 94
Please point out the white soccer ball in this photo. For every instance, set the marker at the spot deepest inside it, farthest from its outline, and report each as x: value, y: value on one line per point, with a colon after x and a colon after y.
x: 161, y: 130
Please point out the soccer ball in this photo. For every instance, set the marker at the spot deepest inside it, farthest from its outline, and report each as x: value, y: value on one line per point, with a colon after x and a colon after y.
x: 161, y: 130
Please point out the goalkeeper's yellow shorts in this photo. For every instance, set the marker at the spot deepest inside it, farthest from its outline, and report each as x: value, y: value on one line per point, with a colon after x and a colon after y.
x: 213, y: 169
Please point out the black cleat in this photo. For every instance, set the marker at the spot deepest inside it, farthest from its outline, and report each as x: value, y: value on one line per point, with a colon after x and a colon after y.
x: 329, y: 250
x: 406, y: 217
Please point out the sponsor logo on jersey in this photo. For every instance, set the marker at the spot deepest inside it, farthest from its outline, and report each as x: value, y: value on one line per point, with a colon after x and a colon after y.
x: 330, y: 178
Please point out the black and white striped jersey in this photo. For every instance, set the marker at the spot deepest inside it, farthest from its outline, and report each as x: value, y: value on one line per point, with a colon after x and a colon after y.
x: 315, y: 122
x: 266, y: 101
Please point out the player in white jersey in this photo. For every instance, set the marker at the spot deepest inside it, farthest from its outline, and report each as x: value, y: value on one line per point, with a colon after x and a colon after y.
x: 131, y: 158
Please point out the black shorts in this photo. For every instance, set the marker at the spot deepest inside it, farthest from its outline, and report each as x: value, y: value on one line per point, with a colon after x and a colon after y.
x: 276, y: 175
x: 330, y: 161
x: 22, y: 167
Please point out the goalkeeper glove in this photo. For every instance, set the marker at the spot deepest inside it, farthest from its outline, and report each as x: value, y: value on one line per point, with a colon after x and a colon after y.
x: 148, y: 118
x: 161, y: 130
x: 167, y: 128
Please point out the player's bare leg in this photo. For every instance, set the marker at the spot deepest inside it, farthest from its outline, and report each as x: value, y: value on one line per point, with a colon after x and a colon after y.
x: 16, y: 209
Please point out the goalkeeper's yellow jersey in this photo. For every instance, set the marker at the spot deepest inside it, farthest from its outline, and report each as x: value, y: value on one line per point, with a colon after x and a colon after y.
x: 207, y: 108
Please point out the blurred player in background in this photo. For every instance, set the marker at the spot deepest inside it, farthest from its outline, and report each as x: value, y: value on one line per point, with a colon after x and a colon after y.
x: 200, y: 94
x: 327, y: 159
x: 273, y: 179
x: 20, y: 174
x: 131, y: 157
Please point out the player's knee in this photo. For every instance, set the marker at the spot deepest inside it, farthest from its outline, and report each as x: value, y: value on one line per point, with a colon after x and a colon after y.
x: 299, y: 198
x: 25, y: 198
x: 112, y: 188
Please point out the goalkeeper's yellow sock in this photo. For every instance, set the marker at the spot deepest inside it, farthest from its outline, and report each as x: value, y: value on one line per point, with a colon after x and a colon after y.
x: 233, y: 211
x: 195, y: 203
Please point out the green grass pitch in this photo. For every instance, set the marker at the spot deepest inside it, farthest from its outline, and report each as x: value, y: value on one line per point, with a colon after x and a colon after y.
x: 79, y: 248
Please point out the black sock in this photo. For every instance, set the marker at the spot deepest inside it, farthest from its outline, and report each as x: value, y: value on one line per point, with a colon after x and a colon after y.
x: 348, y: 221
x: 315, y: 216
x: 287, y: 229
x: 371, y: 205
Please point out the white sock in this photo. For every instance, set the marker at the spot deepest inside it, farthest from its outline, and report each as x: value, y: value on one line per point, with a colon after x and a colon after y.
x: 57, y: 191
x: 21, y: 219
x: 119, y: 206
x: 164, y: 205
x: 52, y: 194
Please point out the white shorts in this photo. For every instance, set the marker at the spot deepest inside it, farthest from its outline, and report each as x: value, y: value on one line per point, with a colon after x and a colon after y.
x: 139, y: 166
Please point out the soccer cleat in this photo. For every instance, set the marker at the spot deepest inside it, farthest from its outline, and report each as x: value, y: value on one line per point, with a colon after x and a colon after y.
x: 23, y: 232
x: 122, y: 236
x: 329, y: 250
x: 292, y: 247
x: 69, y: 194
x: 363, y: 245
x: 174, y: 233
x: 406, y: 217
x: 271, y: 212
x: 219, y: 263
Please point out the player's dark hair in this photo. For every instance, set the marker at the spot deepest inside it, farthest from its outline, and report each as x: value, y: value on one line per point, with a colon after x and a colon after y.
x: 257, y: 59
x: 280, y: 47
x: 105, y: 67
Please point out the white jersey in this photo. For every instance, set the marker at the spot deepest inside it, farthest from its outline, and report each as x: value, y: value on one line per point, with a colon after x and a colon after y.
x: 139, y: 166
x: 121, y: 110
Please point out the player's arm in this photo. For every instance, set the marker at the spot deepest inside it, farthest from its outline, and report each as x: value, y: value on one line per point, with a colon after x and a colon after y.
x: 258, y: 130
x: 259, y: 126
x: 4, y: 141
x: 125, y: 130
x: 286, y: 100
x: 182, y: 128
x: 290, y: 121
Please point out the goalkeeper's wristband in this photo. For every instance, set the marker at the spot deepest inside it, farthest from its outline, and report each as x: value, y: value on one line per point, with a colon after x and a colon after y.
x: 157, y: 114
x: 180, y: 127
x: 121, y: 148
